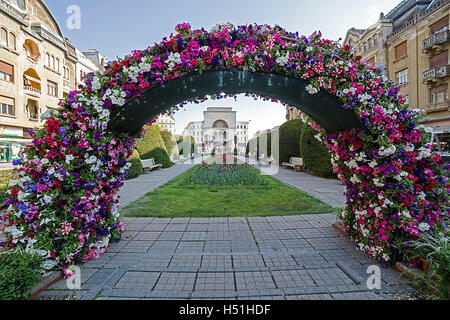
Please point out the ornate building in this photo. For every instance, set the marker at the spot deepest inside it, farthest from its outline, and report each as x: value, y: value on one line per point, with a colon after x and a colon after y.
x: 219, y: 131
x: 412, y: 42
x: 38, y: 67
x: 167, y: 122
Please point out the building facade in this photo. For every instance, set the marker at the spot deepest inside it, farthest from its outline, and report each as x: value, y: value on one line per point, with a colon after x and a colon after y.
x: 412, y: 42
x: 38, y: 67
x: 219, y: 131
x: 167, y: 122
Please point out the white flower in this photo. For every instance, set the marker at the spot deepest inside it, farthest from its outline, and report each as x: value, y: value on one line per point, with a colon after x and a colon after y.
x: 309, y: 49
x: 311, y: 89
x: 283, y: 60
x: 173, y: 60
x: 69, y: 158
x: 424, y: 227
x: 47, y: 199
x: 44, y: 161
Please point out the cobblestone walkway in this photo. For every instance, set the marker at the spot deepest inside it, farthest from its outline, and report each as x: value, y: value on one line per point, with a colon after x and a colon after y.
x: 291, y: 257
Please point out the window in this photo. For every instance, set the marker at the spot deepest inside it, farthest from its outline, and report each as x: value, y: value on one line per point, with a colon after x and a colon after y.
x: 401, y: 50
x: 47, y: 60
x: 66, y: 73
x: 4, y: 37
x: 441, y: 25
x: 34, y: 113
x: 6, y: 106
x: 12, y: 41
x: 439, y: 60
x: 6, y: 72
x: 402, y: 77
x: 21, y: 4
x: 439, y: 94
x: 52, y: 88
x: 57, y: 65
x: 52, y: 63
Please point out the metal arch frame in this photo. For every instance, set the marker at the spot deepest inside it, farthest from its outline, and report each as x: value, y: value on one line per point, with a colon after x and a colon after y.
x: 323, y: 107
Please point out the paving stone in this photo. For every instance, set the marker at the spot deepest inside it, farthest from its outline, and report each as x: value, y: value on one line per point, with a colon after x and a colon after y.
x: 197, y: 227
x: 218, y: 236
x: 199, y: 221
x: 257, y: 220
x: 267, y: 235
x: 217, y: 247
x: 323, y: 244
x: 216, y: 262
x: 135, y: 226
x: 215, y: 281
x: 330, y: 277
x: 137, y: 246
x: 260, y: 226
x: 147, y: 236
x: 279, y: 260
x: 311, y: 297
x: 190, y: 247
x: 309, y: 259
x: 116, y: 247
x: 153, y: 261
x: 122, y: 259
x: 163, y: 247
x: 248, y: 261
x: 98, y: 278
x: 243, y: 235
x: 162, y: 220
x: 180, y: 221
x: 194, y: 236
x: 271, y: 245
x: 356, y: 296
x: 296, y: 244
x: 176, y: 227
x: 254, y: 280
x: 185, y: 262
x: 238, y: 227
x: 100, y: 262
x: 170, y: 236
x: 138, y: 281
x: 175, y: 281
x: 293, y: 279
x: 155, y: 227
x: 218, y: 227
x: 244, y: 246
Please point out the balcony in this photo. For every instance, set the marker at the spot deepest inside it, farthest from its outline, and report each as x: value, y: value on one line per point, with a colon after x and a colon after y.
x: 32, y: 91
x: 436, y: 41
x: 436, y: 74
x: 439, y: 106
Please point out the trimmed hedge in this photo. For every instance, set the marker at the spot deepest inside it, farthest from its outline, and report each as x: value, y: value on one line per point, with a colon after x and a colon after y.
x: 316, y: 156
x: 152, y: 146
x: 170, y: 142
x: 136, y: 166
x: 290, y: 133
x: 19, y: 273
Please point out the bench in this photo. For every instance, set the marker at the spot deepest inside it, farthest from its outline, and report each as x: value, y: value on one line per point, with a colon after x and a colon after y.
x: 149, y: 165
x: 294, y: 163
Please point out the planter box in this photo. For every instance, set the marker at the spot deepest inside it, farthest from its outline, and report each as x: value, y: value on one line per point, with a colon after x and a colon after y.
x: 48, y: 281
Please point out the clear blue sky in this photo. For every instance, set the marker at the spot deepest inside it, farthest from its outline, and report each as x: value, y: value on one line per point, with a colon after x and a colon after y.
x: 116, y: 27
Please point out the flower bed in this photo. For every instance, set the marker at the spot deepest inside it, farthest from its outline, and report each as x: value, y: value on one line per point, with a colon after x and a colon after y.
x: 64, y: 205
x: 223, y: 174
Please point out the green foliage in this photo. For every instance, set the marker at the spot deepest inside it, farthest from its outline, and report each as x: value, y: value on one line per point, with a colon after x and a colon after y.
x: 436, y: 250
x: 152, y: 146
x: 185, y: 141
x: 5, y: 177
x: 170, y: 142
x: 136, y: 166
x: 19, y: 273
x: 290, y: 133
x: 223, y: 174
x: 316, y: 156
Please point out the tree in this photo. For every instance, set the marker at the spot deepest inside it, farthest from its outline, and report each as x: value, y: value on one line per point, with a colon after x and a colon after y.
x: 316, y: 156
x: 290, y: 133
x: 152, y: 146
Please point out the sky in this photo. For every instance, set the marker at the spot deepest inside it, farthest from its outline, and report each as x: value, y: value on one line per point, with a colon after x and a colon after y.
x: 117, y: 27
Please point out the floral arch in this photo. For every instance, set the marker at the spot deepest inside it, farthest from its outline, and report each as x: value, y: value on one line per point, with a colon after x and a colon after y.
x: 71, y: 173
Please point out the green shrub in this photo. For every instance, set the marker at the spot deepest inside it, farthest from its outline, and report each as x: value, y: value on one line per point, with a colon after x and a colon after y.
x: 290, y: 133
x: 316, y: 156
x: 152, y: 146
x: 136, y: 166
x: 170, y: 142
x: 19, y: 273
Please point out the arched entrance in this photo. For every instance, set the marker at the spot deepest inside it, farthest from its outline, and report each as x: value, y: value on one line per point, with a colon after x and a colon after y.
x: 69, y: 181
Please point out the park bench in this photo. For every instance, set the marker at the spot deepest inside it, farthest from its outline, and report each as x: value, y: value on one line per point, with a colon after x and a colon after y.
x: 294, y: 163
x: 149, y: 165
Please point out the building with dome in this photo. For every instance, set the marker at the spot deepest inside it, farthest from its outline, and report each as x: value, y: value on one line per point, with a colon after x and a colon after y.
x: 219, y: 131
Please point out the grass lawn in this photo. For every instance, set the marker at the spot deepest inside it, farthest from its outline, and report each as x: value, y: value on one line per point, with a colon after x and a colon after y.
x: 177, y: 199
